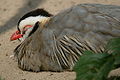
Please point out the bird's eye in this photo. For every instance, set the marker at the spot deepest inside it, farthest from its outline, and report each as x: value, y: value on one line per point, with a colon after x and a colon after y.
x: 26, y: 28
x: 23, y: 32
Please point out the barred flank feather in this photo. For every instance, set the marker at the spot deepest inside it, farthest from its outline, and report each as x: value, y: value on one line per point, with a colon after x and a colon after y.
x: 67, y: 50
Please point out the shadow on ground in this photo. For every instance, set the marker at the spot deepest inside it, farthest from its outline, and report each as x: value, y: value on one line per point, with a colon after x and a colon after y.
x: 29, y: 5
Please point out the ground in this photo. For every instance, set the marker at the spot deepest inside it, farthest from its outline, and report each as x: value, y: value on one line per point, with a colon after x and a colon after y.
x: 10, y: 12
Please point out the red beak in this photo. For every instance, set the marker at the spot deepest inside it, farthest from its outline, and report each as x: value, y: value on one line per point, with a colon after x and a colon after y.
x: 16, y: 35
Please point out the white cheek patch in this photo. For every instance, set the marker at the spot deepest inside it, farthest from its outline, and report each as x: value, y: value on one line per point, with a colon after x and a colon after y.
x: 26, y: 34
x: 30, y: 21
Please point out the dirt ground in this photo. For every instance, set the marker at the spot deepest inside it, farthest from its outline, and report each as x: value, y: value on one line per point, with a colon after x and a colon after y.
x: 10, y: 12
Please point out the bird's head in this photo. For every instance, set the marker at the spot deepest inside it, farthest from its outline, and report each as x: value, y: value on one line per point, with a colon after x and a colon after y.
x: 26, y: 24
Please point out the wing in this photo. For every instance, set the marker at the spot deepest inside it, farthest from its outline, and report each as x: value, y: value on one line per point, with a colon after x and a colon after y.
x: 93, y: 26
x: 78, y: 29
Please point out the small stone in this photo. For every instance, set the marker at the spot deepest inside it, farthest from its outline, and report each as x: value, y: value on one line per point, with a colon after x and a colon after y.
x: 11, y: 56
x: 50, y: 74
x: 4, y: 9
x: 6, y: 54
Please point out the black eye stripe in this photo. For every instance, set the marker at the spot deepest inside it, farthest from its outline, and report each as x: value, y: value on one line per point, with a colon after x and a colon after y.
x: 23, y: 32
x: 35, y: 27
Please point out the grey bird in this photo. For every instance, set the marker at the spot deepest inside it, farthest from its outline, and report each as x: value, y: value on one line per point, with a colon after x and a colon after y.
x: 56, y: 43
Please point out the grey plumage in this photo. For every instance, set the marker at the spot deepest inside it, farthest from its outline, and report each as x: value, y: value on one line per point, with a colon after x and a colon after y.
x: 58, y: 43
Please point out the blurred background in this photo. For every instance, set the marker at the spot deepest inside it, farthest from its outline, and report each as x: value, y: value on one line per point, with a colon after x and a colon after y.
x: 10, y: 12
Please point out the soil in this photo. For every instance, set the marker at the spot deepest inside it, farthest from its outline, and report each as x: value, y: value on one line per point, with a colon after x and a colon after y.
x: 10, y: 12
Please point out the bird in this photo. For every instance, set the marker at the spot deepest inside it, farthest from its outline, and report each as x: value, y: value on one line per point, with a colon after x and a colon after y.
x: 26, y: 23
x: 57, y: 43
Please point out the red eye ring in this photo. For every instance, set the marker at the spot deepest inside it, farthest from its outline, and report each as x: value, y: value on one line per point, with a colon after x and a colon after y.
x: 28, y: 26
